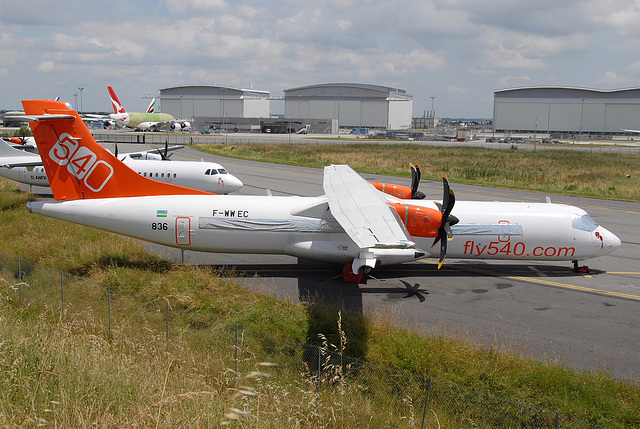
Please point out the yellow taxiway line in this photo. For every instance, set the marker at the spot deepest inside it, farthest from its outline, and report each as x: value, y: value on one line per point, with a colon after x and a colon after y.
x: 553, y: 283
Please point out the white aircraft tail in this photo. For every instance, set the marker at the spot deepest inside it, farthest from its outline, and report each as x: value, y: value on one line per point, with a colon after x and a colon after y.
x: 152, y: 106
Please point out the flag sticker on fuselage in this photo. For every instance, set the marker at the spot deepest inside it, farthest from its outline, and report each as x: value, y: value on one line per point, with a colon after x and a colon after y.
x: 161, y: 213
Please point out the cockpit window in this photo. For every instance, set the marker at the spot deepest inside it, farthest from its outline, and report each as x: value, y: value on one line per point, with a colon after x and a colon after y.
x: 222, y: 171
x: 213, y: 172
x: 584, y: 223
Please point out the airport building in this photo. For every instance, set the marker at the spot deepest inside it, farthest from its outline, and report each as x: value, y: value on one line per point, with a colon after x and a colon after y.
x: 352, y: 105
x: 323, y: 108
x: 566, y: 110
x: 203, y: 103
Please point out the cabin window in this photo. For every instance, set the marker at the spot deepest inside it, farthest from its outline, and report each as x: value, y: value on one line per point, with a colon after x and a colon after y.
x: 162, y: 175
x: 584, y: 222
x: 174, y: 175
x: 145, y: 174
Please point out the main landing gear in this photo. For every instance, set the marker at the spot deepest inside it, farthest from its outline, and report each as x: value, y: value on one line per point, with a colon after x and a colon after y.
x: 349, y: 277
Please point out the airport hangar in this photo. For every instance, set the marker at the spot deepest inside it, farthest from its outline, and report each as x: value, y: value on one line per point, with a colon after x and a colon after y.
x: 324, y: 108
x: 566, y: 111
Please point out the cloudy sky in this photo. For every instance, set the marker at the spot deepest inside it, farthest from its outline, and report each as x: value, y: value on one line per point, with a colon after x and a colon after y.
x: 458, y: 51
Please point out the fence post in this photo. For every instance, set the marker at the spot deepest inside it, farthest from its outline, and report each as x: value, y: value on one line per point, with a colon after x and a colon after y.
x: 426, y: 403
x: 236, y: 351
x: 109, y: 306
x: 167, y: 322
x: 62, y: 287
x: 319, y: 375
x: 20, y: 280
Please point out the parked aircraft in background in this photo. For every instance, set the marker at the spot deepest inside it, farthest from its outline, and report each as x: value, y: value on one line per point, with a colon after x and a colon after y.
x: 27, y: 143
x: 144, y: 121
x: 212, y: 177
x: 352, y: 224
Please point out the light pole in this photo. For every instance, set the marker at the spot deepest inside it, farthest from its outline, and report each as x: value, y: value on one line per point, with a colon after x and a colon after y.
x: 433, y: 113
x: 75, y: 99
x: 80, y: 98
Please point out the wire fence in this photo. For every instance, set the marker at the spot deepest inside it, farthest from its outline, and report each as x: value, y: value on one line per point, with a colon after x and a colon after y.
x: 341, y: 390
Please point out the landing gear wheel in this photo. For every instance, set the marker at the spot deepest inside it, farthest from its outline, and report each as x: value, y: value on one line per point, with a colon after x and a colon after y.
x: 349, y: 277
x: 580, y: 270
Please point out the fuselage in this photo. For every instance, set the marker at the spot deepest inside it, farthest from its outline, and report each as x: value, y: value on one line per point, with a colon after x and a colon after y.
x: 205, y: 176
x: 202, y: 175
x: 304, y: 227
x: 30, y: 175
x: 141, y: 120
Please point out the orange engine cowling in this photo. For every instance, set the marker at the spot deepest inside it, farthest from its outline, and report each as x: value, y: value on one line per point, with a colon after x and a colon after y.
x: 398, y: 191
x: 420, y: 221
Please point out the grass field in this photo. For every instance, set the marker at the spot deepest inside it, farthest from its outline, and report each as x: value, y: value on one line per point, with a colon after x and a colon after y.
x: 599, y: 175
x: 67, y: 370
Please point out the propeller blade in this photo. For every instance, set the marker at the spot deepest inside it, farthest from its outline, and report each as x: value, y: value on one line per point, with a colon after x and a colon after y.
x: 166, y: 150
x: 416, y: 174
x: 444, y: 231
x: 448, y: 200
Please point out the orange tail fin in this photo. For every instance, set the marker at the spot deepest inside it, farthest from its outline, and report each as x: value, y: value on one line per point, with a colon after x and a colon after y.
x: 77, y: 166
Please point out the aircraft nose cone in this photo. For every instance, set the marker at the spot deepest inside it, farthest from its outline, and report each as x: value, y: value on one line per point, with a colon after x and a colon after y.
x: 614, y: 242
x: 233, y: 183
x: 610, y: 241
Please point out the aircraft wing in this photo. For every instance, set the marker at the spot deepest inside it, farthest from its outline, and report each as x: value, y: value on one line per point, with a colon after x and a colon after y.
x: 629, y: 131
x: 142, y: 155
x: 95, y: 118
x: 11, y: 164
x: 362, y: 211
x: 12, y: 157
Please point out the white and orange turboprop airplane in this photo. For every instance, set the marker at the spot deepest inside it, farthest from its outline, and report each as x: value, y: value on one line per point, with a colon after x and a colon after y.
x: 352, y: 224
x: 26, y: 167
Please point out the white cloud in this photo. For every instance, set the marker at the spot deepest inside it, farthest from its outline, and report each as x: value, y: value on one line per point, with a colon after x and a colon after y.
x: 457, y: 90
x: 196, y: 6
x: 622, y: 15
x: 46, y: 66
x: 514, y: 80
x: 612, y: 78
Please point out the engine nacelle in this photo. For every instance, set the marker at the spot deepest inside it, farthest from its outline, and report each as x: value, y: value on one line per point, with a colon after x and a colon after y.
x: 146, y: 125
x: 177, y: 126
x: 186, y: 125
x: 420, y: 221
x: 398, y: 191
